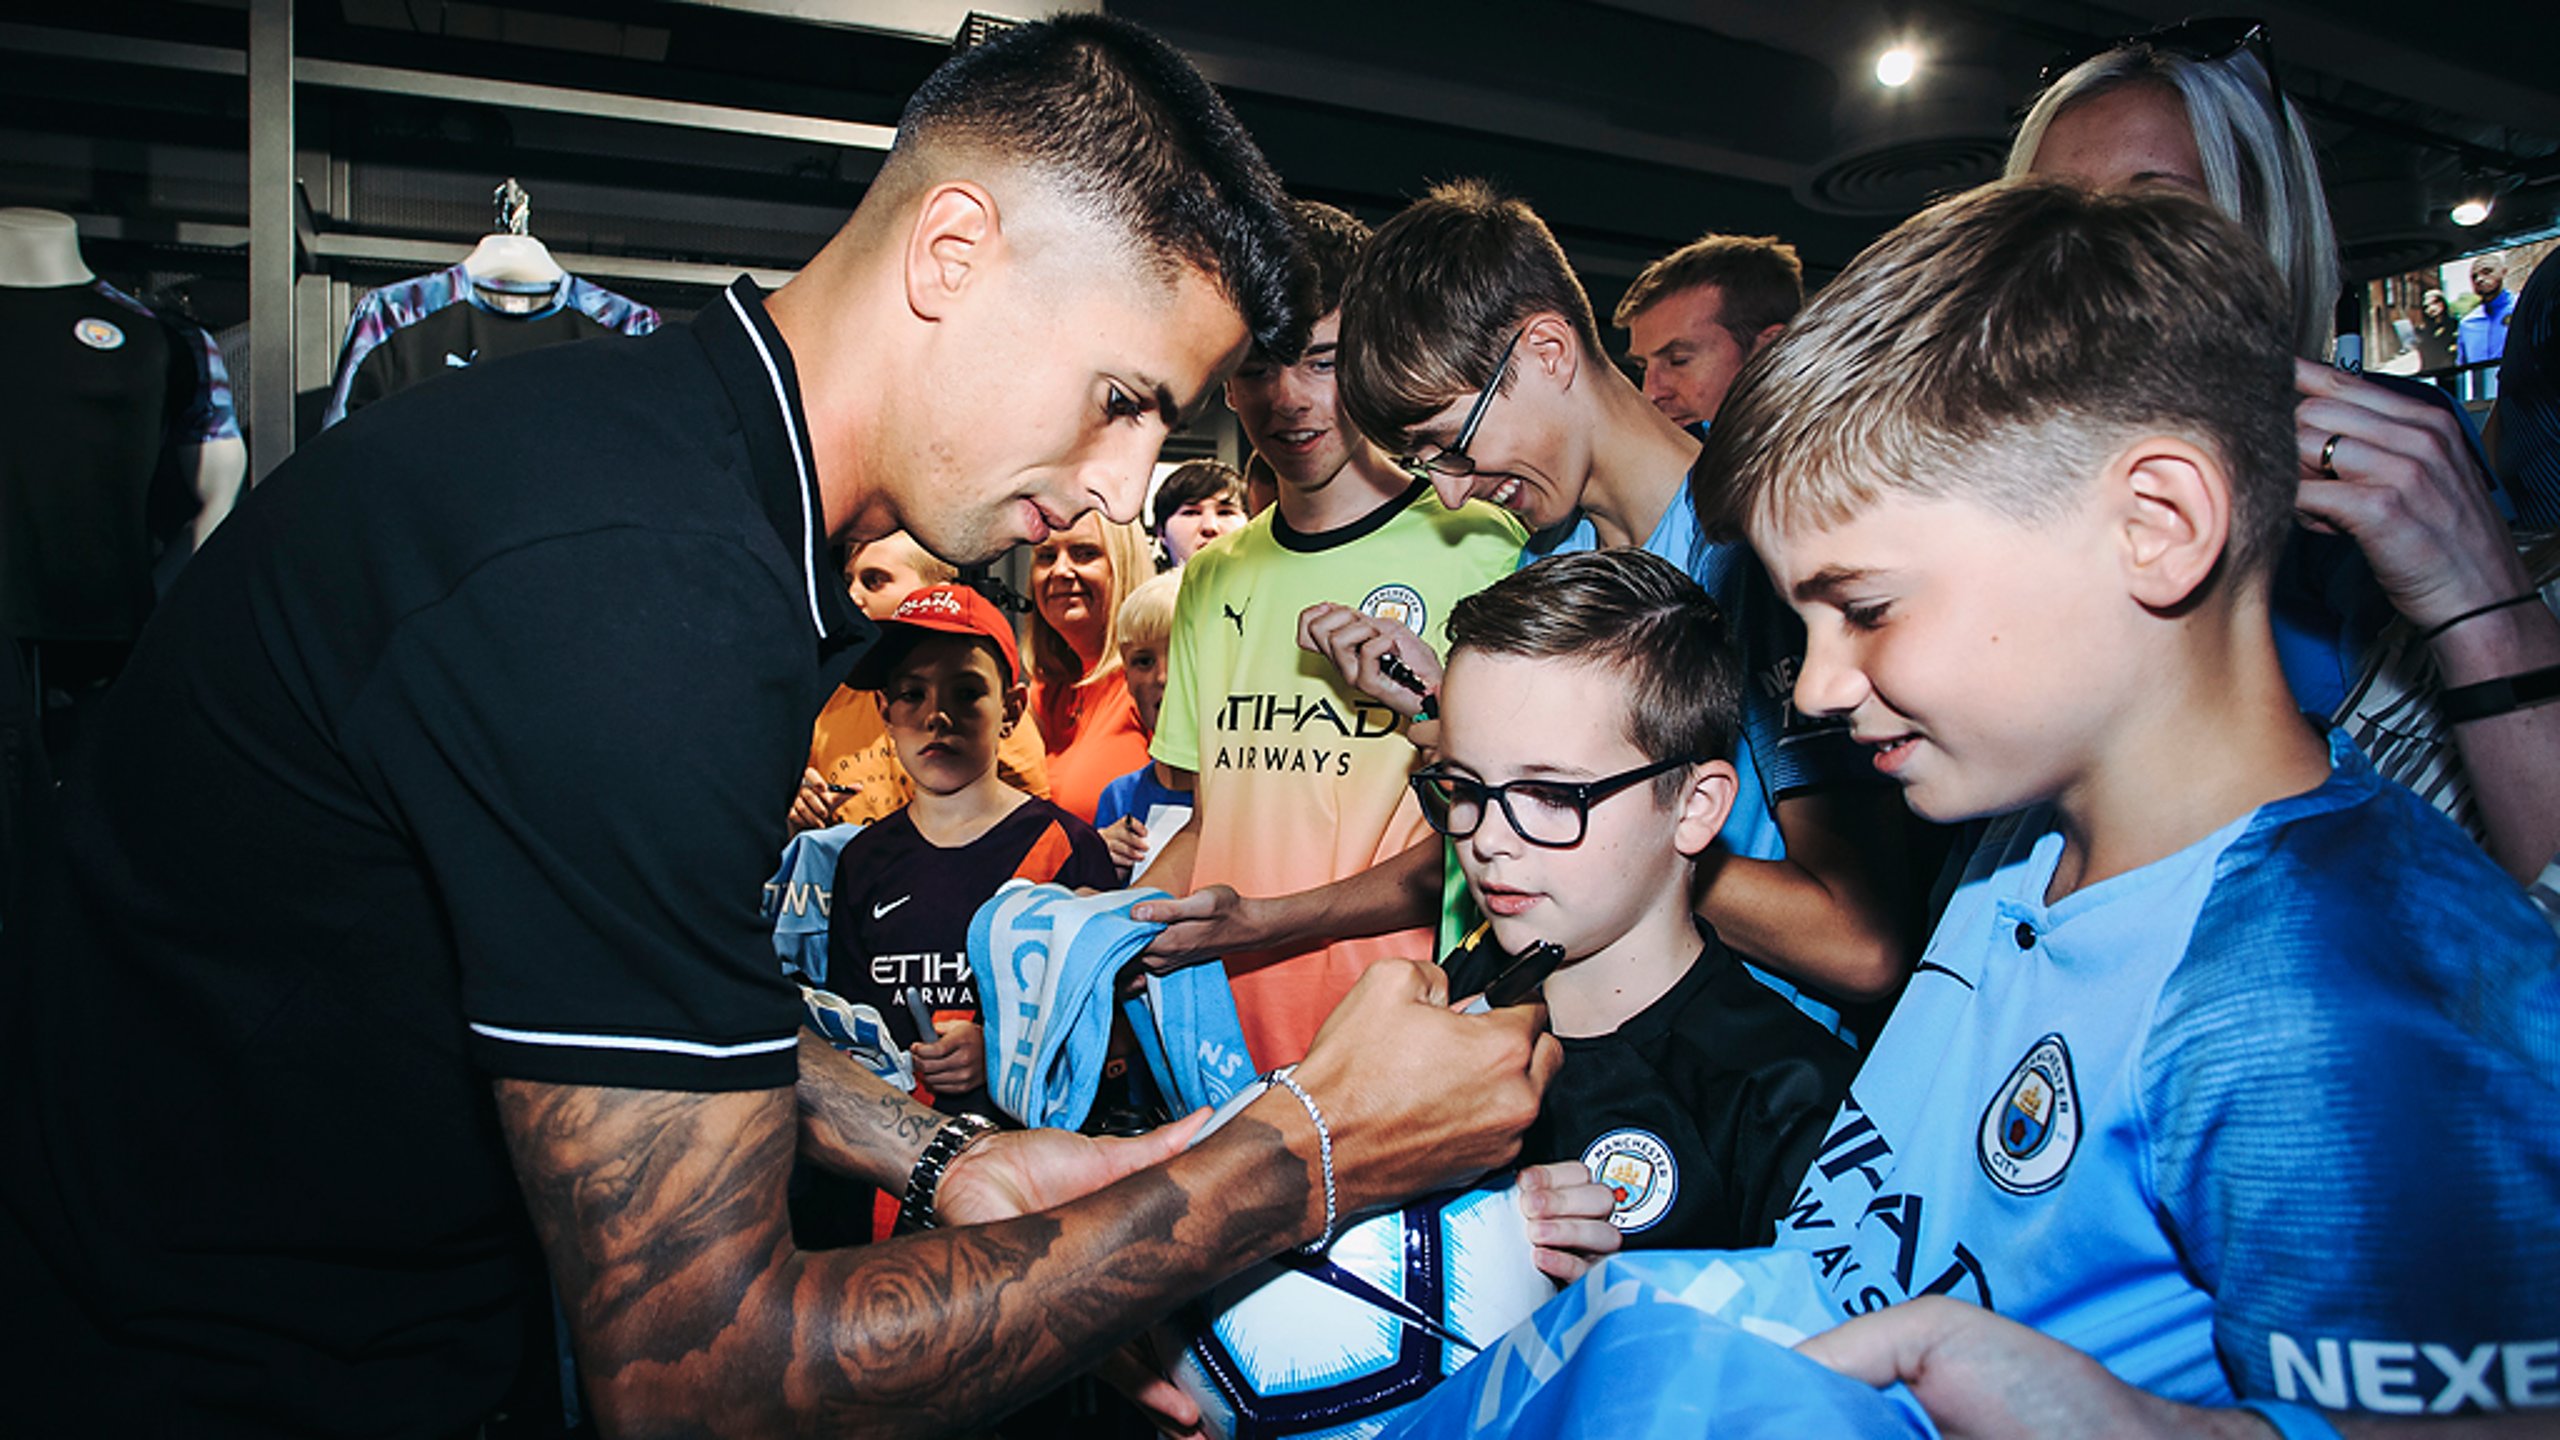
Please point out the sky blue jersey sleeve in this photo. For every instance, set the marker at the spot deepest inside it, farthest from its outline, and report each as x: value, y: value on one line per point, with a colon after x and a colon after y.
x: 2353, y: 1090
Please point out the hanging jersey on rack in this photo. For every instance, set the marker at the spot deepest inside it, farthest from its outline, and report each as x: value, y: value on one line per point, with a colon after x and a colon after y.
x: 106, y: 403
x: 419, y: 329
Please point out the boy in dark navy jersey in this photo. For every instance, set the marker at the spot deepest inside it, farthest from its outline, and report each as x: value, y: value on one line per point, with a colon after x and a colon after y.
x: 950, y: 687
x: 1692, y: 1090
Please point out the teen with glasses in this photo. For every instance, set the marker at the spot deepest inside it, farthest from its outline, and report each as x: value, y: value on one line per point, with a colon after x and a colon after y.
x: 1588, y: 708
x: 1470, y: 347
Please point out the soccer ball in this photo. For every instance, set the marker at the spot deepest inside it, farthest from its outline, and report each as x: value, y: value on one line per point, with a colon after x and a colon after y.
x: 1290, y: 1348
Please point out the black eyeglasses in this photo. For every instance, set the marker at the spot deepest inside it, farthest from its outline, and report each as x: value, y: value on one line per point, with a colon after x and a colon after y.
x: 1553, y: 814
x: 2203, y: 41
x: 1453, y: 458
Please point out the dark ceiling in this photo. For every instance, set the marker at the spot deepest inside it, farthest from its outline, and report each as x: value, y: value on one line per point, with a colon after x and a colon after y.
x: 1632, y: 125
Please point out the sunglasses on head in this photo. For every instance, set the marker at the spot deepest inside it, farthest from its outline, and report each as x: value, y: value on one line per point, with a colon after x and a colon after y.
x: 2203, y: 41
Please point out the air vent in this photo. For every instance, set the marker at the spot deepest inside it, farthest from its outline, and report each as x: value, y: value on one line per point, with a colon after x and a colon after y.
x: 1899, y: 177
x: 978, y: 29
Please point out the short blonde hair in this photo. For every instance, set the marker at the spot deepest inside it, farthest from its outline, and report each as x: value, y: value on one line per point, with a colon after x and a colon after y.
x: 1146, y: 613
x: 1999, y: 347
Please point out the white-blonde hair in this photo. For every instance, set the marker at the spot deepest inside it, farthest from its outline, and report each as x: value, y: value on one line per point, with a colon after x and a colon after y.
x: 1146, y: 613
x: 2270, y: 185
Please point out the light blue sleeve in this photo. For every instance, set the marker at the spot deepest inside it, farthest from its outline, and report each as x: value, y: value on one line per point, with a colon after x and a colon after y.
x: 2352, y: 1093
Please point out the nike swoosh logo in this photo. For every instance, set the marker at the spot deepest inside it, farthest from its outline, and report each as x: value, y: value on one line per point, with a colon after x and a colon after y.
x: 460, y: 362
x: 879, y: 910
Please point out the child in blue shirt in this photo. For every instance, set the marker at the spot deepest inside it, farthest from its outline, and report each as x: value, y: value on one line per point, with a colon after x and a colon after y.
x: 2228, y: 1064
x: 1146, y: 630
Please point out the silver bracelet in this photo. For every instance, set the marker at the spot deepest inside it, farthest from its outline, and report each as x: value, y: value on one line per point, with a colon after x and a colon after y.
x: 1324, y: 1150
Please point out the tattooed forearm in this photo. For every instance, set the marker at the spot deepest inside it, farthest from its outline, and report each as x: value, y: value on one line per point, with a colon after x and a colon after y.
x: 664, y: 1220
x: 853, y: 1123
x: 957, y: 1339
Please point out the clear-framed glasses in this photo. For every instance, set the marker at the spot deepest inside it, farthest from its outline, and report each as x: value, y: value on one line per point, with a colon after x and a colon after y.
x: 1453, y: 459
x: 1554, y: 814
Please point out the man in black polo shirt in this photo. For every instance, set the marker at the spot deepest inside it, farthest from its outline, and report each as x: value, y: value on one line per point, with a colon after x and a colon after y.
x: 408, y: 893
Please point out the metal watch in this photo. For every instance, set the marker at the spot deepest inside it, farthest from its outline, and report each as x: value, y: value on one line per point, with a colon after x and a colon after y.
x: 957, y: 1134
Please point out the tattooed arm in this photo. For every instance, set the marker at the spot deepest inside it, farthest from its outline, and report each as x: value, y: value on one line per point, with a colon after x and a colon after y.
x: 662, y: 1215
x: 854, y: 1123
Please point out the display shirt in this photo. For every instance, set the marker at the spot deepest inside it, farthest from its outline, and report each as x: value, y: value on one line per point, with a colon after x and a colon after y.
x: 104, y: 403
x: 1701, y: 1111
x: 1302, y: 779
x: 436, y: 324
x: 2277, y: 1115
x: 1782, y: 751
x: 487, y: 716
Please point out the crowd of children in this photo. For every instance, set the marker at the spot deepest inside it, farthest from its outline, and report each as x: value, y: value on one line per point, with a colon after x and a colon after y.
x: 2223, y: 1060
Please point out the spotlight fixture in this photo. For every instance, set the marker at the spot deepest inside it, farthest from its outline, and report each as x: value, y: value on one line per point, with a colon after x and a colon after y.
x: 1895, y: 67
x: 2470, y: 212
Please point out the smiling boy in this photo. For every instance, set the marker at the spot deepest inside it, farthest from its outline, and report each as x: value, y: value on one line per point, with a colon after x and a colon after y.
x: 1586, y: 715
x: 1300, y: 779
x: 2229, y: 1063
x: 1469, y: 344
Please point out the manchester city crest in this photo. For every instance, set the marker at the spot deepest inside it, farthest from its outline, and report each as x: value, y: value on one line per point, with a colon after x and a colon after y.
x: 1638, y: 1167
x: 1399, y: 603
x: 98, y: 334
x: 2033, y: 1122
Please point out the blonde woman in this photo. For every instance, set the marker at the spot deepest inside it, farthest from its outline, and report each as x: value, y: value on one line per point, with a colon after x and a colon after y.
x: 1079, y: 695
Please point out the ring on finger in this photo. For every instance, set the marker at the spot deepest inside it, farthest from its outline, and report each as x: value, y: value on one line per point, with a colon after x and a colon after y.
x: 2329, y: 453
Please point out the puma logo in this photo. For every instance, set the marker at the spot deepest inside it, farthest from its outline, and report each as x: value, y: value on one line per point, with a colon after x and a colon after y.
x: 879, y: 910
x: 1235, y: 617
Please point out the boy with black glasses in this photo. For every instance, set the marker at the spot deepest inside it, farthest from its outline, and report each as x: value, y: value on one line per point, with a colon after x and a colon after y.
x: 1587, y: 713
x: 1469, y: 347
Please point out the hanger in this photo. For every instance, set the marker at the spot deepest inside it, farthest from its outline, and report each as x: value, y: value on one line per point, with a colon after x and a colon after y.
x: 509, y: 256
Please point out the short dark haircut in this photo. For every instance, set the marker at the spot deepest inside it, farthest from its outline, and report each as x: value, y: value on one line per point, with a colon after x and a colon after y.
x: 2000, y: 346
x: 1192, y: 482
x: 1334, y: 239
x: 1436, y: 296
x: 1759, y: 282
x: 1115, y: 116
x: 1636, y: 615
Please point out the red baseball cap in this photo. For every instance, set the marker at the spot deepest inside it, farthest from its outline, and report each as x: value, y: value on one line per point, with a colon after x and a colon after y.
x: 936, y: 610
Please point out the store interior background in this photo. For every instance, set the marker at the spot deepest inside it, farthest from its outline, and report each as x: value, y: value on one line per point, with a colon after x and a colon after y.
x: 257, y: 165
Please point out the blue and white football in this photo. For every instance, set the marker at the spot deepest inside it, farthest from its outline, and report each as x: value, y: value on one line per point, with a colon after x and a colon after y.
x: 1332, y: 1347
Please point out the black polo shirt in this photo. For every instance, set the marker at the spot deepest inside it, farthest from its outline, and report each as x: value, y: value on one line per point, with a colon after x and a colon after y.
x: 459, y: 753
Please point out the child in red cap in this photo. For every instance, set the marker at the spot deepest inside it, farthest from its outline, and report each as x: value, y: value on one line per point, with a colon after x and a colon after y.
x: 950, y: 688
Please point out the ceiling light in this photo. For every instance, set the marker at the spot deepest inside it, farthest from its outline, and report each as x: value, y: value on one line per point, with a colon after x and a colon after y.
x: 1896, y: 66
x: 2471, y: 212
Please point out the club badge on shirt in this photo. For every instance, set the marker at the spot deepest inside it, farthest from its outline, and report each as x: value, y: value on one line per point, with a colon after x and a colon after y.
x: 2032, y: 1125
x: 97, y: 334
x: 1399, y: 603
x: 1638, y: 1168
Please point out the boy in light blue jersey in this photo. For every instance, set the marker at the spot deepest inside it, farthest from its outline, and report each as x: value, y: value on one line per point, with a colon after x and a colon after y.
x: 2229, y: 1064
